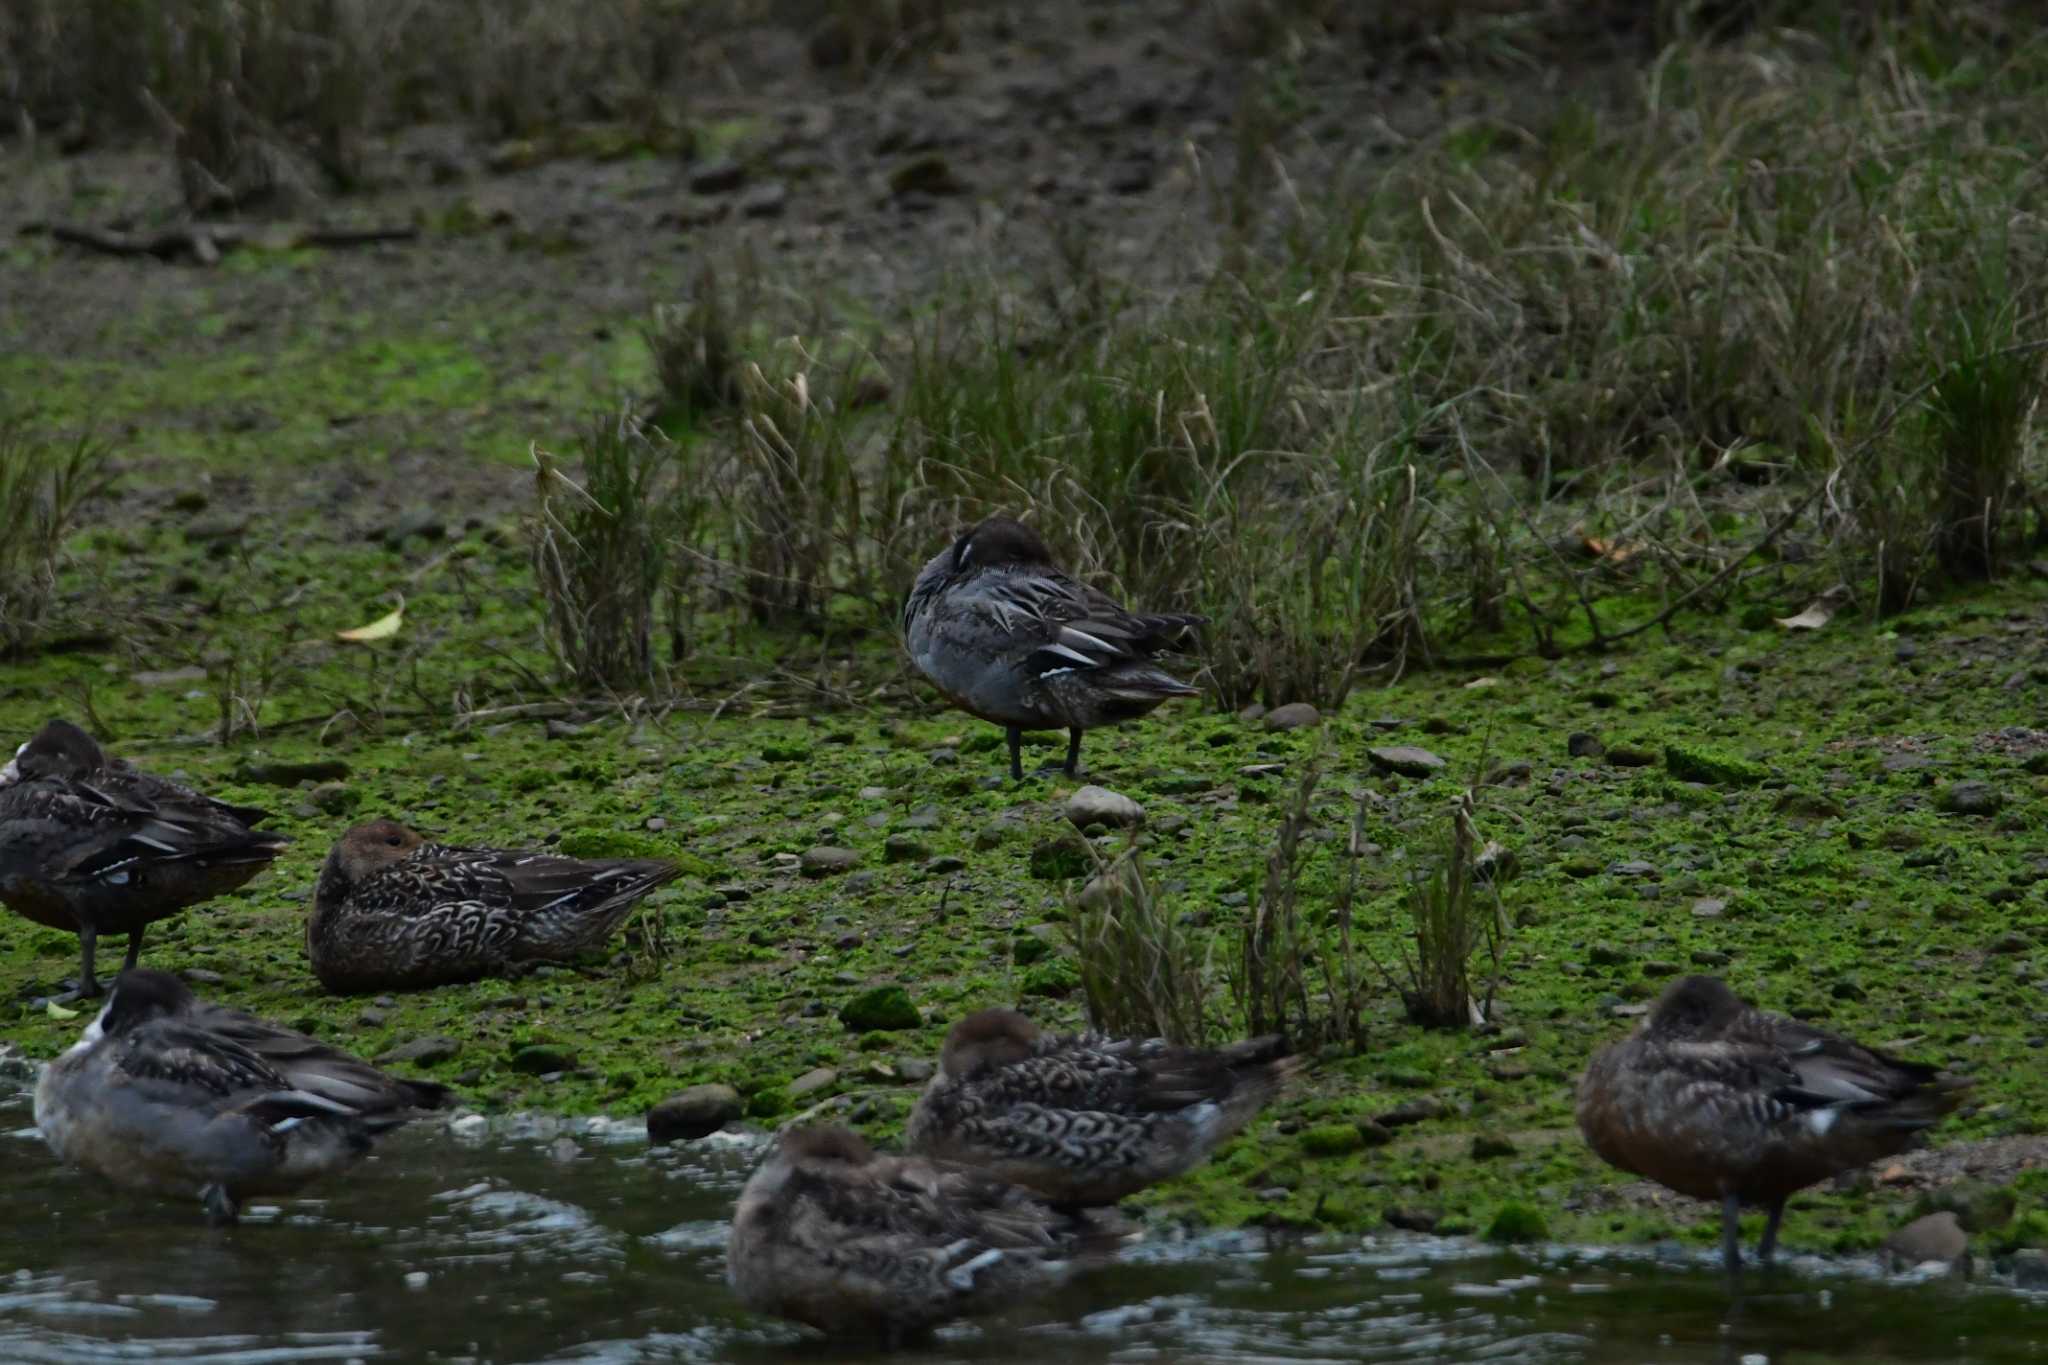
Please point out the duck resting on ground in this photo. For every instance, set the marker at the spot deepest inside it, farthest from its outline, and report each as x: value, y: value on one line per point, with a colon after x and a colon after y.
x: 171, y: 1096
x: 393, y: 911
x: 1719, y: 1100
x: 94, y: 846
x: 1007, y: 636
x: 831, y: 1234
x: 1087, y: 1119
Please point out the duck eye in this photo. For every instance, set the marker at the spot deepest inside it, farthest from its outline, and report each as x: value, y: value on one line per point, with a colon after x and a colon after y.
x: 393, y: 840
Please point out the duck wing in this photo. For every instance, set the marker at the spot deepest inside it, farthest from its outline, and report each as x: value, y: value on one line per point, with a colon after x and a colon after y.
x: 313, y: 1066
x: 493, y: 901
x: 117, y: 822
x: 1058, y: 623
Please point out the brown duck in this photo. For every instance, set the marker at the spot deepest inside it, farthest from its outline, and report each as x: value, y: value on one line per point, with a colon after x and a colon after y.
x: 394, y: 911
x: 1087, y: 1119
x: 1719, y: 1100
x: 856, y: 1244
x: 94, y: 846
x: 1007, y: 636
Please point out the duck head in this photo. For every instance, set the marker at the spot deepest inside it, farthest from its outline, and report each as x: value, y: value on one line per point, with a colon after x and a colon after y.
x: 59, y: 749
x: 830, y: 1143
x: 987, y: 1038
x: 996, y: 542
x: 1694, y: 1007
x: 137, y: 996
x: 362, y: 852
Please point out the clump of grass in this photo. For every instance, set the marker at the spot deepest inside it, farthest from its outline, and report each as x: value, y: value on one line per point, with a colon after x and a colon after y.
x: 696, y: 354
x: 1290, y: 976
x: 1454, y: 912
x: 1978, y: 415
x: 1142, y: 973
x: 43, y: 490
x: 602, y: 552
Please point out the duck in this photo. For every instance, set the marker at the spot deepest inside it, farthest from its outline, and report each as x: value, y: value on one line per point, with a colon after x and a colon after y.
x: 394, y: 911
x: 1719, y: 1100
x: 94, y: 846
x: 1008, y: 637
x: 166, y: 1094
x: 834, y: 1235
x: 1087, y: 1119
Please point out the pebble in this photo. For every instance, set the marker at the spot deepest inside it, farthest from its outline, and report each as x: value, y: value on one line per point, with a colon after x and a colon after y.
x: 1296, y: 715
x: 1580, y: 744
x: 1094, y: 805
x: 416, y: 1279
x: 1405, y: 759
x: 827, y: 860
x: 819, y: 1078
x: 1710, y: 907
x: 905, y: 848
x: 425, y: 1051
x: 1936, y: 1237
x: 693, y: 1113
x: 1971, y: 798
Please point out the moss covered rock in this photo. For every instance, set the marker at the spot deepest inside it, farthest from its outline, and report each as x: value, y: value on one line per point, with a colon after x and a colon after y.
x: 1516, y: 1223
x: 1692, y: 763
x: 880, y: 1010
x: 1332, y: 1139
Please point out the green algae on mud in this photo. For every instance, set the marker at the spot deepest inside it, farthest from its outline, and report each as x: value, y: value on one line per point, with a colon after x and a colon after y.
x: 1863, y: 902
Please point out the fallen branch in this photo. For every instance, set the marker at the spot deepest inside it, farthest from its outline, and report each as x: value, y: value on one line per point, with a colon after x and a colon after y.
x: 204, y: 242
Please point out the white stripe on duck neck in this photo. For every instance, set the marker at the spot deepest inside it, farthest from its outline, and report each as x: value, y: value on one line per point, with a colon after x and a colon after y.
x: 96, y: 1030
x: 12, y: 772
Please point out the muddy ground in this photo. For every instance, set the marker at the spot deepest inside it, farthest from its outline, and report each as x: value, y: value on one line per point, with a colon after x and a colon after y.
x: 307, y: 434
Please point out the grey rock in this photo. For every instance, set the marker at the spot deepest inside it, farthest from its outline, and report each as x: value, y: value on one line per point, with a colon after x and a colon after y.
x: 1253, y: 714
x: 945, y: 865
x: 1936, y: 1237
x: 1710, y: 907
x: 764, y: 201
x: 541, y: 1060
x: 827, y: 860
x: 1296, y: 715
x: 1414, y: 1111
x: 1405, y: 759
x: 693, y: 1113
x: 2030, y: 1268
x: 1971, y: 798
x: 811, y: 1082
x: 334, y: 798
x: 1579, y: 744
x: 905, y: 848
x: 1631, y: 756
x: 1094, y: 805
x: 721, y: 175
x: 915, y: 1070
x: 201, y: 976
x: 424, y: 1051
x: 167, y: 677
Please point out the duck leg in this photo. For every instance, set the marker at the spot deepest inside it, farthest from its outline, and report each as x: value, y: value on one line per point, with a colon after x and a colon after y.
x: 1731, y: 1235
x: 1073, y: 751
x: 1770, y: 1242
x: 221, y: 1209
x: 134, y: 949
x: 88, y: 941
x: 1016, y: 738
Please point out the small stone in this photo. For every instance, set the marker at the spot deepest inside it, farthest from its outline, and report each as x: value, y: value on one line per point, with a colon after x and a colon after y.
x: 335, y: 798
x: 287, y: 774
x: 1634, y: 867
x: 416, y: 1279
x: 168, y: 677
x: 200, y: 976
x: 540, y: 1060
x: 1579, y: 744
x: 882, y: 1009
x: 1414, y: 1111
x: 693, y: 1113
x: 1608, y: 955
x: 1710, y: 907
x: 561, y: 729
x: 423, y: 1051
x: 1332, y: 1139
x: 1296, y: 715
x: 914, y: 1070
x: 1404, y: 759
x: 1630, y: 756
x: 721, y: 175
x: 905, y: 848
x: 945, y: 865
x: 2030, y: 1266
x: 1971, y: 798
x: 372, y: 1019
x: 1252, y: 715
x: 820, y: 1078
x: 1094, y: 805
x: 1487, y: 1147
x: 764, y: 201
x: 827, y: 860
x: 927, y: 174
x: 1412, y: 1220
x: 1936, y: 1237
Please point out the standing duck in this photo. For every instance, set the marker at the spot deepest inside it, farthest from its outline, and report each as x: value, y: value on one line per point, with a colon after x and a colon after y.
x: 157, y: 1096
x: 1719, y: 1100
x: 1087, y: 1119
x: 92, y: 845
x: 831, y: 1234
x: 1007, y: 636
x: 392, y: 911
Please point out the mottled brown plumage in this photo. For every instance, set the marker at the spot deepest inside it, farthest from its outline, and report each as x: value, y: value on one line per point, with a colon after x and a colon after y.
x: 167, y: 1094
x: 856, y: 1244
x: 1719, y: 1100
x: 392, y: 911
x: 1007, y: 636
x: 91, y: 845
x: 1087, y: 1119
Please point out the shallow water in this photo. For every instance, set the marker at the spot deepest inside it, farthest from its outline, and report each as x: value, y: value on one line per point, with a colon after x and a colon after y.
x: 546, y: 1241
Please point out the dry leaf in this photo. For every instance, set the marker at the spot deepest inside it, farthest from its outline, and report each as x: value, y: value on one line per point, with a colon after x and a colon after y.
x: 1612, y: 551
x: 57, y: 1011
x: 1818, y: 613
x: 383, y: 628
x: 1488, y: 681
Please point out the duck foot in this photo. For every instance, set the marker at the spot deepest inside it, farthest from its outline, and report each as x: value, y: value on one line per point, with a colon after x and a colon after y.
x: 72, y: 993
x: 221, y: 1210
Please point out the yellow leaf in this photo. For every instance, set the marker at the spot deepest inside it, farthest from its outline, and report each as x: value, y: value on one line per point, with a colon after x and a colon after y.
x: 57, y: 1011
x: 383, y: 628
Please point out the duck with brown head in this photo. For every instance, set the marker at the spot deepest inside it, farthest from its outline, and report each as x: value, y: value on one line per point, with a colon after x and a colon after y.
x: 1007, y: 636
x: 1088, y: 1119
x: 394, y: 910
x: 91, y: 845
x: 832, y: 1234
x: 1719, y: 1100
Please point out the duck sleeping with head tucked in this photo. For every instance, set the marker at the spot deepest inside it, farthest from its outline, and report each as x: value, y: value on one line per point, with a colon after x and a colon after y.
x: 91, y: 845
x: 393, y: 910
x: 166, y: 1094
x: 1006, y: 635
